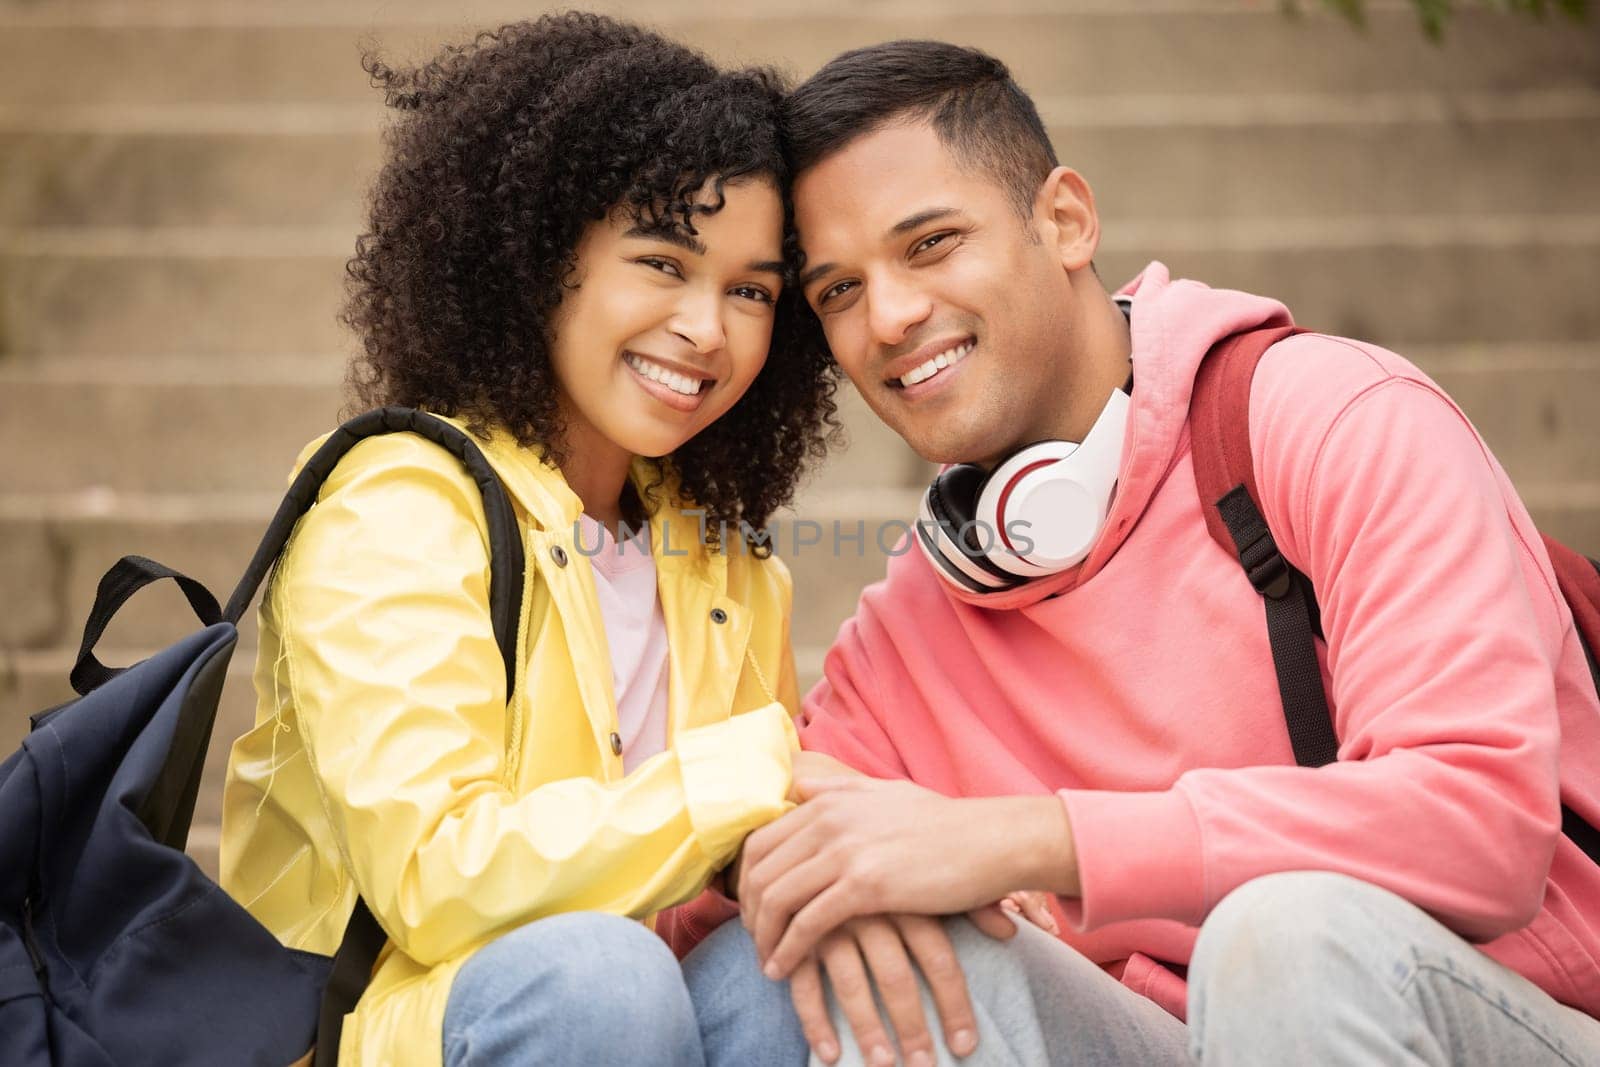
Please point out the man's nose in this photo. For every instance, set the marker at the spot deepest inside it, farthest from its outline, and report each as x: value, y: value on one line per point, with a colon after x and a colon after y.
x: 895, y: 308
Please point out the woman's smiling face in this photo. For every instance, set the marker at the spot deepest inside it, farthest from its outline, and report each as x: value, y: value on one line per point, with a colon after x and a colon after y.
x: 665, y: 330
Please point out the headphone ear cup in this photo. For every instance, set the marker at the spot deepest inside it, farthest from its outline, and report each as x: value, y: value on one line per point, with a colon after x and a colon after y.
x: 1004, y: 520
x: 947, y: 515
x: 953, y: 495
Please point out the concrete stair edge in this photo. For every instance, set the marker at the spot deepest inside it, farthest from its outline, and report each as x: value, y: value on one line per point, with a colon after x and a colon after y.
x: 1137, y: 110
x: 1095, y: 53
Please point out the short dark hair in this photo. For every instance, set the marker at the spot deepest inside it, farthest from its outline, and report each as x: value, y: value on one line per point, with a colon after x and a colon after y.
x: 974, y: 105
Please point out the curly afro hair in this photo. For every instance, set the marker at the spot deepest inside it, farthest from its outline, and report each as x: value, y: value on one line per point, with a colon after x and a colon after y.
x: 505, y: 150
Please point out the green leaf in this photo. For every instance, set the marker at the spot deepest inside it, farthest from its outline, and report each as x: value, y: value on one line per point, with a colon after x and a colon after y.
x: 1434, y: 15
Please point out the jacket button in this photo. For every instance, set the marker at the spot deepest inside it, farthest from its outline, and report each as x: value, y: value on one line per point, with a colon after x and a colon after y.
x: 616, y: 744
x: 719, y: 616
x: 559, y: 554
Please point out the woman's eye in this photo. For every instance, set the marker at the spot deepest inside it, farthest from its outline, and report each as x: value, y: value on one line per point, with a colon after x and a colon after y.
x: 752, y: 292
x: 665, y: 266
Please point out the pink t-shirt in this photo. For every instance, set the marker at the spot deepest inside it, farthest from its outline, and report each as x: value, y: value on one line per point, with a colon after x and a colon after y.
x: 636, y: 631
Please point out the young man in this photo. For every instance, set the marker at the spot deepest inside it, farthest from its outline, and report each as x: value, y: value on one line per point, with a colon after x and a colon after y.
x: 1109, y: 727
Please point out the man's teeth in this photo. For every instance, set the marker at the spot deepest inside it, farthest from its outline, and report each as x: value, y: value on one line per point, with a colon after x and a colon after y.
x: 936, y: 364
x: 678, y: 383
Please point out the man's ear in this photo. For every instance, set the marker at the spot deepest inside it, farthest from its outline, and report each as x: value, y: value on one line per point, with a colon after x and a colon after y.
x: 1065, y: 214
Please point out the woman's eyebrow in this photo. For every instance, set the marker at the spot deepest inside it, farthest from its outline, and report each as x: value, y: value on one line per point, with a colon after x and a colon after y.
x: 674, y: 236
x: 671, y: 235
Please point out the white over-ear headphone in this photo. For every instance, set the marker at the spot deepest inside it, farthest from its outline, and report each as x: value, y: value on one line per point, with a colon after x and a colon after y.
x: 1038, y: 513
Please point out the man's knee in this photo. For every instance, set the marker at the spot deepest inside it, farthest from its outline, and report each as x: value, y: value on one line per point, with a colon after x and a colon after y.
x: 1272, y: 935
x: 1306, y: 909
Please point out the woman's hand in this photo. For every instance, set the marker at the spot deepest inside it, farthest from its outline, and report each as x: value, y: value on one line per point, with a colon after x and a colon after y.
x: 1033, y: 906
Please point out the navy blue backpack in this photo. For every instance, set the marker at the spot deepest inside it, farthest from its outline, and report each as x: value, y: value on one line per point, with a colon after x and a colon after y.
x: 115, y: 949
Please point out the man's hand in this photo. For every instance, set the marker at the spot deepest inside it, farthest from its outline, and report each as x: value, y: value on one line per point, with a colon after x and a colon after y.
x: 877, y: 946
x: 807, y: 766
x: 885, y: 951
x: 814, y: 767
x: 859, y: 846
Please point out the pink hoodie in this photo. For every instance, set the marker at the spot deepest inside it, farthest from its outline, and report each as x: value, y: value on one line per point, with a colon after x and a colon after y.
x: 1140, y: 686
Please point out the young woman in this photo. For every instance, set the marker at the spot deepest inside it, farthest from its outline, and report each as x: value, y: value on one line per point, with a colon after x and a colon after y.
x: 576, y: 252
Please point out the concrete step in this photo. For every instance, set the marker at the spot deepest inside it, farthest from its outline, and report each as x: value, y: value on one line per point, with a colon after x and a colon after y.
x: 64, y: 433
x: 494, y: 12
x: 1398, y: 282
x: 139, y: 294
x: 141, y: 439
x: 67, y: 54
x: 194, y: 177
x: 54, y: 550
x: 1220, y: 157
x: 253, y: 291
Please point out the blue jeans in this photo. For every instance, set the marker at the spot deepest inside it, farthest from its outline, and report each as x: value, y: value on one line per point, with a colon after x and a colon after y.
x: 586, y: 988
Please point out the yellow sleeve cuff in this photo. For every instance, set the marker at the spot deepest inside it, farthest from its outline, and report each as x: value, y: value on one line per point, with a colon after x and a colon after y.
x: 736, y: 776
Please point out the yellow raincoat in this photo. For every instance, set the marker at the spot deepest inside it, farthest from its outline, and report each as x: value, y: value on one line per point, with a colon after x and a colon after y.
x: 386, y: 760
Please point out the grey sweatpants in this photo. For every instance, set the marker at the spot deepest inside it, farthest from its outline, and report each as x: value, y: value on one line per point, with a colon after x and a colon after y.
x: 1293, y: 968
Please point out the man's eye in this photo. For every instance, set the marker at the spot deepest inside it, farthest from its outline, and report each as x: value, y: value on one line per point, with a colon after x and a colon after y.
x: 833, y: 291
x: 931, y: 241
x: 665, y: 266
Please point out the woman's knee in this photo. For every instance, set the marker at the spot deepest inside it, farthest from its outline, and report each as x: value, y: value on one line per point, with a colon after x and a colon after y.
x: 744, y: 1016
x: 588, y: 955
x: 596, y: 979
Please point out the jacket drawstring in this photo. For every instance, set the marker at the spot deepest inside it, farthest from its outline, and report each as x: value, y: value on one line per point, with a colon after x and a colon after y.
x: 761, y: 678
x: 281, y: 727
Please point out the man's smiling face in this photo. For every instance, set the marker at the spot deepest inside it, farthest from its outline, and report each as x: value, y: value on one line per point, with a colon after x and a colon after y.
x: 952, y: 315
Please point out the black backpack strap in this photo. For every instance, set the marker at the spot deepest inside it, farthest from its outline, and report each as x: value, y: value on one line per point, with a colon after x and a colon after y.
x: 352, y: 970
x: 363, y: 936
x: 1219, y: 434
x: 1290, y: 630
x: 505, y: 538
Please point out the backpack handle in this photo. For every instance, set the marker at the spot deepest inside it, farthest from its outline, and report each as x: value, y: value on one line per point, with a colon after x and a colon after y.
x: 125, y: 578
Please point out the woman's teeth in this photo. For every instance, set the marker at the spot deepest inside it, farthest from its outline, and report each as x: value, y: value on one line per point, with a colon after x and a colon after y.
x: 678, y: 383
x: 936, y: 364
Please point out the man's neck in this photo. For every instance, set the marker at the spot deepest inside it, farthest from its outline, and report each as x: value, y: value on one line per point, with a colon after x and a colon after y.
x: 1108, y: 365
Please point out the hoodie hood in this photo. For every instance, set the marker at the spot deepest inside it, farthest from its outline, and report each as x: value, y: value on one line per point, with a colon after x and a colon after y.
x: 1174, y: 324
